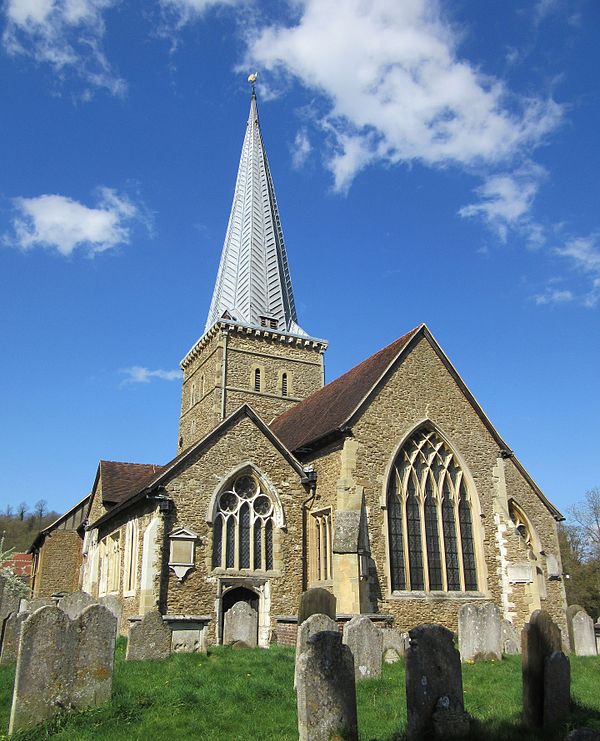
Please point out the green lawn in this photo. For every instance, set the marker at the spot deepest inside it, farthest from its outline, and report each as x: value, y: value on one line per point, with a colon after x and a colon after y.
x: 248, y: 695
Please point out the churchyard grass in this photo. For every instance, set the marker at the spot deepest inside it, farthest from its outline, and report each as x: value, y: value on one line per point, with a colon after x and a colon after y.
x: 248, y: 694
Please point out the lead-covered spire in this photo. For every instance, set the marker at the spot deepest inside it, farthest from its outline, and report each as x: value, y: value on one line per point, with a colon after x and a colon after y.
x: 253, y: 283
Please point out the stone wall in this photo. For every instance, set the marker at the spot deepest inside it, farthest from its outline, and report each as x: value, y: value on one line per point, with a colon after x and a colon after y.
x: 59, y: 563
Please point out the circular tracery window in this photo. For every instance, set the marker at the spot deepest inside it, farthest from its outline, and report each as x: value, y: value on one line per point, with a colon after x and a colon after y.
x: 245, y: 489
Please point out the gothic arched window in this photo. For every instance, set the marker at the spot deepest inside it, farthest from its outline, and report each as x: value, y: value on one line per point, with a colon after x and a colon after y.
x: 243, y: 526
x: 430, y: 523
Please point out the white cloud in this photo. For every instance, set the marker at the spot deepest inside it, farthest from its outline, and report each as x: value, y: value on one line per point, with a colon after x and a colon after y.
x: 506, y: 199
x: 554, y: 296
x: 396, y: 88
x: 139, y: 374
x: 301, y: 149
x: 63, y: 224
x: 67, y: 35
x: 185, y: 11
x: 584, y: 256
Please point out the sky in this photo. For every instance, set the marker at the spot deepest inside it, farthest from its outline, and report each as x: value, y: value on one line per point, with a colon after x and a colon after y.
x: 433, y: 162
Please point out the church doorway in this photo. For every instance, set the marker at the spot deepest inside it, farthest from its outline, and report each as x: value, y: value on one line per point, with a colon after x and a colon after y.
x: 232, y: 596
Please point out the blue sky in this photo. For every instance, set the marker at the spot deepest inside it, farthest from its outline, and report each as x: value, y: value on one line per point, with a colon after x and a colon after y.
x: 433, y: 162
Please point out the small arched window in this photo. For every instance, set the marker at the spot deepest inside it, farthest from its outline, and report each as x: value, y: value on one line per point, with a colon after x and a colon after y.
x: 243, y: 527
x: 430, y: 526
x: 257, y: 379
x: 284, y: 384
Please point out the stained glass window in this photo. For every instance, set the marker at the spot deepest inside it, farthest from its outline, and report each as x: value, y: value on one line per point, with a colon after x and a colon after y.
x: 244, y: 539
x: 434, y: 558
x: 230, y: 545
x: 451, y: 543
x: 468, y: 546
x: 396, y: 541
x: 257, y: 545
x: 415, y: 552
x: 269, y: 544
x: 217, y: 540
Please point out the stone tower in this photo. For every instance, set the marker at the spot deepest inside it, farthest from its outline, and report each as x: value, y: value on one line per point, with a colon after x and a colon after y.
x: 253, y: 350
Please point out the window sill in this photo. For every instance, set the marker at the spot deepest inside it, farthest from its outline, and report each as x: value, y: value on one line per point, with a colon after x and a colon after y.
x: 245, y: 572
x: 437, y: 596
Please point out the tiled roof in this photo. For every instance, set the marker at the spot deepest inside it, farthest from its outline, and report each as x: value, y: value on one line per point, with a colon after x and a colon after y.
x: 19, y: 563
x: 122, y: 480
x: 330, y: 407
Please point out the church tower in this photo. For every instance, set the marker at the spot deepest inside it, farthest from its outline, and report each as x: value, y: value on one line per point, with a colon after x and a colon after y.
x: 253, y: 350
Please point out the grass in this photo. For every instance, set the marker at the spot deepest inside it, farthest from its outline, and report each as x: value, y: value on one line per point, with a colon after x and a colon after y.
x: 249, y: 694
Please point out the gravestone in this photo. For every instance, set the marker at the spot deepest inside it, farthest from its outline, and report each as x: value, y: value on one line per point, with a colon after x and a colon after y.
x: 38, y: 602
x: 584, y: 637
x: 310, y: 627
x: 9, y: 598
x: 557, y: 689
x: 572, y: 610
x: 11, y: 634
x: 316, y: 601
x: 75, y: 603
x: 149, y: 638
x: 434, y: 691
x: 62, y: 664
x: 326, y: 691
x: 114, y: 604
x: 394, y: 645
x: 366, y: 643
x: 480, y: 632
x: 540, y: 639
x: 511, y: 645
x: 189, y: 640
x: 241, y: 624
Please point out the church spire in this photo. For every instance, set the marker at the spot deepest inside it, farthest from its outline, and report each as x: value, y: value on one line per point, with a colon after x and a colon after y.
x: 253, y: 284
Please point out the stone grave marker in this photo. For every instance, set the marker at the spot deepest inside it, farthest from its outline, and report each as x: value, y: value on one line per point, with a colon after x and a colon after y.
x: 511, y: 645
x: 75, y: 603
x: 310, y: 627
x: 480, y: 632
x: 394, y: 644
x: 149, y: 638
x: 583, y: 635
x: 326, y: 690
x: 11, y: 634
x: 38, y: 602
x: 241, y: 624
x: 9, y: 598
x: 366, y: 643
x: 62, y: 664
x: 572, y: 610
x: 114, y: 604
x: 316, y: 601
x: 540, y: 639
x: 434, y: 690
x: 557, y: 689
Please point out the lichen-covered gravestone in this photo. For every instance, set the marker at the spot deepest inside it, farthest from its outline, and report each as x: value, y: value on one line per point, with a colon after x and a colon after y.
x: 62, y: 664
x: 9, y: 598
x: 149, y: 639
x: 540, y: 640
x: 583, y: 635
x: 326, y: 691
x: 10, y: 636
x: 366, y: 643
x: 480, y: 632
x: 75, y: 603
x: 316, y: 601
x: 511, y: 644
x: 394, y: 645
x: 434, y: 691
x: 241, y: 625
x: 310, y: 627
x: 114, y: 604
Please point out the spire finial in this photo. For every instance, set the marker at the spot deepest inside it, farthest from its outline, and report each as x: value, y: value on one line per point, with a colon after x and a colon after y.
x: 252, y: 80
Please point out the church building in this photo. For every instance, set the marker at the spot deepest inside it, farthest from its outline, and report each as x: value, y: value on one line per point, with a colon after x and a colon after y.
x: 388, y: 486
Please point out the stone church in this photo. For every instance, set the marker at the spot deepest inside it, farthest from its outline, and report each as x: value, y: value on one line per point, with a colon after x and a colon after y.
x: 388, y: 486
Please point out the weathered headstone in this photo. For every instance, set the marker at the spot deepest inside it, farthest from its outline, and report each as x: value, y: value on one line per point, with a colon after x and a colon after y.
x: 366, y: 643
x: 326, y: 691
x: 394, y: 645
x: 316, y: 601
x: 114, y: 604
x: 434, y: 690
x: 572, y: 610
x: 11, y: 634
x: 557, y: 689
x: 62, y: 664
x: 189, y: 640
x: 37, y: 602
x: 149, y: 639
x: 75, y: 603
x: 511, y: 645
x: 310, y: 627
x: 480, y: 632
x: 240, y: 624
x: 583, y: 734
x: 540, y: 638
x: 584, y: 637
x: 9, y: 598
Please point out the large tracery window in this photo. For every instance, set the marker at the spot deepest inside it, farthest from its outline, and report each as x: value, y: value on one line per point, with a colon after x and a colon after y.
x: 243, y: 527
x: 430, y: 523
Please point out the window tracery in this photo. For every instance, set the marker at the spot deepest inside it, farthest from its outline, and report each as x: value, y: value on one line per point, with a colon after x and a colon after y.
x: 243, y: 527
x: 430, y: 525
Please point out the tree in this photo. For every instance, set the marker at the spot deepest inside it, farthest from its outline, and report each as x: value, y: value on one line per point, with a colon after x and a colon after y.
x: 22, y: 510
x: 587, y: 516
x: 40, y: 508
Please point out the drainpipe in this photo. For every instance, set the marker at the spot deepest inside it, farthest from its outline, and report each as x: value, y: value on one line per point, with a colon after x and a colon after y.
x: 224, y: 374
x: 311, y: 479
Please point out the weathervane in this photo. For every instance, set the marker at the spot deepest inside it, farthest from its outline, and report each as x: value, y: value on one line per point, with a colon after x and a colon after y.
x: 252, y: 80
